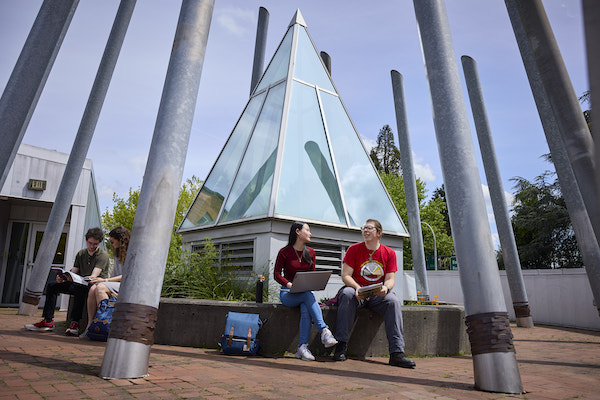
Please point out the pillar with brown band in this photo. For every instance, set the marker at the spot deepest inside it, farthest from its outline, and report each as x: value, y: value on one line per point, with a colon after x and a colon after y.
x: 70, y: 179
x: 582, y: 224
x: 128, y: 347
x: 510, y: 254
x: 495, y: 369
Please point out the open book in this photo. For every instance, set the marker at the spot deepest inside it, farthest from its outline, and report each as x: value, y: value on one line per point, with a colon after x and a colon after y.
x: 70, y: 276
x: 370, y: 290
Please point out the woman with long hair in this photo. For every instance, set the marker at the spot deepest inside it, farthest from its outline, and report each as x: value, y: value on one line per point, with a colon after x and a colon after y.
x: 104, y: 288
x: 294, y: 257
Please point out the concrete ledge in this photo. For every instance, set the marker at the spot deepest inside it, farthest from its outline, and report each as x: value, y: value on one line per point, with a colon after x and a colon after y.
x: 428, y: 330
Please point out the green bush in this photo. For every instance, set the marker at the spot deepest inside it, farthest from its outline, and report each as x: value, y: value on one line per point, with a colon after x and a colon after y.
x: 197, y: 276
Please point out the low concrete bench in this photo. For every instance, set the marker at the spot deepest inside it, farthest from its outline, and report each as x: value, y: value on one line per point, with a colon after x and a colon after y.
x: 428, y: 330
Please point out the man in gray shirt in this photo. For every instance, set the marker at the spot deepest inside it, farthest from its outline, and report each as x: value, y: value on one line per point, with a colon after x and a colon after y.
x: 90, y: 262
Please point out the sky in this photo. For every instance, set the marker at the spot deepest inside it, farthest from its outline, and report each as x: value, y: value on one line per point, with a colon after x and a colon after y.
x: 364, y: 43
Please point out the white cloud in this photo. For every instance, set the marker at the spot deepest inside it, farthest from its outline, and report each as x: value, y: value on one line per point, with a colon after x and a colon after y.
x: 369, y: 143
x: 235, y: 20
x: 423, y: 170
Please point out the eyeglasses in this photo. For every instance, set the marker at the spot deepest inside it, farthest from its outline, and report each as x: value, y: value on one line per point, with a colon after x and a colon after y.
x: 367, y: 228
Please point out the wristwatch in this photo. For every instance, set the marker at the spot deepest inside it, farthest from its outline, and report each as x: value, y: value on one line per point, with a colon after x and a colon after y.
x: 388, y: 289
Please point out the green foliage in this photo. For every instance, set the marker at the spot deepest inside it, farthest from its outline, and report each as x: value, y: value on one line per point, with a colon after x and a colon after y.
x: 541, y: 223
x: 386, y: 155
x: 440, y: 193
x: 123, y: 213
x: 198, y: 277
x: 431, y: 213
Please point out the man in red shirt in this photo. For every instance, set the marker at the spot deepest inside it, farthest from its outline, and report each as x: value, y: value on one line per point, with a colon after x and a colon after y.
x: 368, y: 263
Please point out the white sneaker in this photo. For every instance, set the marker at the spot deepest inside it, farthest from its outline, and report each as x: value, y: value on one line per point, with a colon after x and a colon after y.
x: 327, y: 338
x: 304, y: 353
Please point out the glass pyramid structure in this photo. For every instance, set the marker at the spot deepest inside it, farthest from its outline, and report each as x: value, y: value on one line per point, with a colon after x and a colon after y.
x: 294, y: 153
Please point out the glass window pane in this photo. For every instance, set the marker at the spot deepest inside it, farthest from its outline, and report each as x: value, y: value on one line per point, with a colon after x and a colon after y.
x: 251, y: 190
x: 207, y: 205
x: 278, y: 67
x: 15, y: 264
x: 308, y: 187
x: 308, y: 66
x: 364, y: 194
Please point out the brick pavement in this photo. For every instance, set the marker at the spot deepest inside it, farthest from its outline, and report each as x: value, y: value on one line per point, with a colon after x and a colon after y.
x: 555, y: 363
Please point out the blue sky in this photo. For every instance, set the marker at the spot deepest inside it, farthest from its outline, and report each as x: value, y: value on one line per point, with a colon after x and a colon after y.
x: 365, y: 43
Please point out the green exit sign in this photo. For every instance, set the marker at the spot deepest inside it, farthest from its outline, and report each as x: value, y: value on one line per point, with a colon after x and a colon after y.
x: 37, y: 184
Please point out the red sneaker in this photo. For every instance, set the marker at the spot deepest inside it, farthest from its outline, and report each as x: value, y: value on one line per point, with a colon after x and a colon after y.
x: 41, y: 326
x: 73, y: 329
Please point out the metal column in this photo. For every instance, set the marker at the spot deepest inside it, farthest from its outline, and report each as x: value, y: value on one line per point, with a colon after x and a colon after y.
x: 494, y: 361
x: 410, y: 188
x: 561, y: 97
x: 259, y: 46
x: 584, y: 232
x: 29, y: 76
x: 326, y: 60
x: 132, y: 329
x: 64, y: 197
x: 494, y: 180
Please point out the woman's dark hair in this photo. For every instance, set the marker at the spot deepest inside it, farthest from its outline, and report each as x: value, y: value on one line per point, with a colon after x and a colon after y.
x: 294, y: 236
x: 121, y: 234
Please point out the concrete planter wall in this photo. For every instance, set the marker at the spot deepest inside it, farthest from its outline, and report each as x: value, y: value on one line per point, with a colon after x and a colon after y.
x: 428, y: 330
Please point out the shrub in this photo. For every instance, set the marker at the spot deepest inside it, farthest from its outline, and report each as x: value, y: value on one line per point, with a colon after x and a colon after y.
x: 197, y: 276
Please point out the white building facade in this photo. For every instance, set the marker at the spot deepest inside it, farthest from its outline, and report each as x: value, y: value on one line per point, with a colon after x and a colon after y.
x: 26, y: 200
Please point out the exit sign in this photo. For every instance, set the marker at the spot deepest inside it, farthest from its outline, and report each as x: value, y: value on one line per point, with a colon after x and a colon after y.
x: 37, y: 184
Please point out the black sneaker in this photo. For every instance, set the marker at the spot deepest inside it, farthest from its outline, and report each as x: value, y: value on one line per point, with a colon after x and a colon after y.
x: 340, y: 351
x: 400, y: 360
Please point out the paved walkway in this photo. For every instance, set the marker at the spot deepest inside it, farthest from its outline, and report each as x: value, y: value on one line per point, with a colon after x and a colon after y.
x: 555, y: 363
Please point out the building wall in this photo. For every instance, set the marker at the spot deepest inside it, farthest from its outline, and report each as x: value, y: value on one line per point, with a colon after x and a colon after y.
x: 19, y: 203
x: 560, y: 297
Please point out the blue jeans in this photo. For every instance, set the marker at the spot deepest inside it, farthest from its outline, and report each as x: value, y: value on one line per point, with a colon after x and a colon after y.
x: 309, y: 310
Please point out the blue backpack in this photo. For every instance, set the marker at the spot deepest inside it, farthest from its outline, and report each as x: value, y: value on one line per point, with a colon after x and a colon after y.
x: 100, y: 326
x: 239, y: 336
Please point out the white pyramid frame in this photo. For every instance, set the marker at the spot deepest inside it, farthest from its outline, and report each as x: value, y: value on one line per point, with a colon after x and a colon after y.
x: 332, y: 207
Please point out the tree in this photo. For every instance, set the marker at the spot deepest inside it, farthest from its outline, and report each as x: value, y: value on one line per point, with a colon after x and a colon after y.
x: 541, y: 223
x: 386, y: 155
x: 432, y: 213
x: 440, y: 193
x: 123, y: 213
x: 586, y: 98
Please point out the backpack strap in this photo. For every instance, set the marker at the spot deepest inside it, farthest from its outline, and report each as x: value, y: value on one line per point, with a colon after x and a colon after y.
x: 249, y: 338
x: 230, y: 335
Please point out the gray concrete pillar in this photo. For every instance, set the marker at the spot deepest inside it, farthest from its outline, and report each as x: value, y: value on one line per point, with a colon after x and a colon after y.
x: 29, y: 76
x: 510, y: 254
x: 410, y: 188
x: 64, y: 196
x: 132, y: 329
x: 326, y: 60
x: 582, y: 226
x: 562, y: 99
x: 259, y: 46
x: 494, y: 361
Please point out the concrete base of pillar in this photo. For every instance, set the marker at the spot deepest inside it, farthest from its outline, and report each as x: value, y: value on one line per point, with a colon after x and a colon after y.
x: 125, y: 360
x: 497, y: 372
x: 27, y: 309
x: 525, y: 322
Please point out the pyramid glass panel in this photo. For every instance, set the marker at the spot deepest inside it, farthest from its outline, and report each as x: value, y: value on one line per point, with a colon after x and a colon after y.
x: 363, y: 192
x: 207, y: 205
x: 308, y: 187
x: 308, y: 66
x: 251, y: 190
x: 278, y: 67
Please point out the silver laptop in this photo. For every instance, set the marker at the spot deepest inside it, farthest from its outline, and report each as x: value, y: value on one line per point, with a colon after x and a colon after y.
x: 309, y: 280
